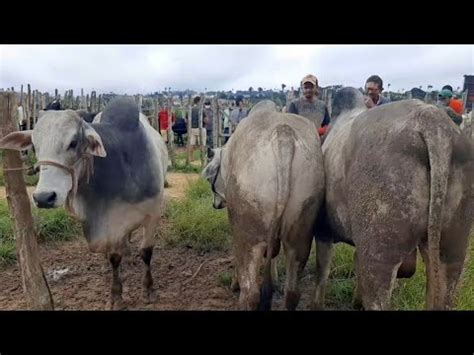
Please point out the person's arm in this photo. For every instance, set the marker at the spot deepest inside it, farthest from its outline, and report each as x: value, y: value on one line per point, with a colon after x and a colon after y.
x: 454, y: 116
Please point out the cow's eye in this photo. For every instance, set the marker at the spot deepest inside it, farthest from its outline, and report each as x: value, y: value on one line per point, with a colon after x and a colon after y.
x: 73, y: 144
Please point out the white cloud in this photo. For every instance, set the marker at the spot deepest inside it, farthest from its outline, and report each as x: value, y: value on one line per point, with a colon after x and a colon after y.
x: 137, y: 68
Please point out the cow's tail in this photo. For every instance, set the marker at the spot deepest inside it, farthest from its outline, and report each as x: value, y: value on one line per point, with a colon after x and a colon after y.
x: 283, y: 146
x: 439, y: 148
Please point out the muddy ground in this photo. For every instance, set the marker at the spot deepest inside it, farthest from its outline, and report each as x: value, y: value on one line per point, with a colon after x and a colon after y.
x: 80, y: 280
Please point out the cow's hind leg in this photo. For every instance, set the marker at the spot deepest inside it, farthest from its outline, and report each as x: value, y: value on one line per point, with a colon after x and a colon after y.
x: 450, y: 273
x: 375, y: 279
x: 146, y: 253
x: 116, y: 301
x: 357, y: 296
x: 324, y: 251
x: 249, y: 280
x: 296, y: 258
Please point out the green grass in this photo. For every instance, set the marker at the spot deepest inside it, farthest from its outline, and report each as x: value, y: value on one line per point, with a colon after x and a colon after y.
x: 30, y: 180
x: 180, y: 163
x: 52, y: 226
x: 7, y: 242
x: 194, y: 223
x: 225, y: 278
x: 181, y: 167
x: 55, y: 225
x: 408, y: 294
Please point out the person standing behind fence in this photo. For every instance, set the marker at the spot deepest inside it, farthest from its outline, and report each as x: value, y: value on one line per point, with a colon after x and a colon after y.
x: 456, y: 104
x: 163, y: 123
x: 444, y: 98
x: 238, y: 113
x: 195, y: 138
x: 226, y: 123
x: 208, y: 124
x: 373, y: 90
x: 309, y: 106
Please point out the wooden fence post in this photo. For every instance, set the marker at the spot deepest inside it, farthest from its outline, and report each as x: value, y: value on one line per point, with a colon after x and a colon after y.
x: 155, y: 118
x: 216, y: 124
x: 27, y: 109
x: 46, y: 100
x: 34, y: 282
x: 202, y: 130
x: 82, y: 105
x: 170, y: 134
x: 189, y: 130
x: 88, y: 103
x: 33, y: 110
x: 93, y: 101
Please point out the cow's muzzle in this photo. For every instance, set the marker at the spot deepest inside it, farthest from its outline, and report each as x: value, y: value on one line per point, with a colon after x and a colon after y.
x: 45, y: 199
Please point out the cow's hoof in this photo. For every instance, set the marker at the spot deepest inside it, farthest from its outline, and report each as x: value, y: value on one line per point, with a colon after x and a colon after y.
x: 235, y: 286
x: 292, y: 299
x: 116, y: 305
x: 357, y: 304
x: 149, y: 296
x: 316, y: 306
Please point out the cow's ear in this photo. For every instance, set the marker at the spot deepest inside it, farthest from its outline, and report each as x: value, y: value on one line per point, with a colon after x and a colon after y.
x: 94, y: 142
x: 17, y: 140
x: 210, y: 171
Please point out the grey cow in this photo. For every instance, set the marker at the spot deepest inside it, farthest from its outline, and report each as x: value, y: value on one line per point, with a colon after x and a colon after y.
x: 108, y: 175
x: 270, y: 177
x: 399, y: 177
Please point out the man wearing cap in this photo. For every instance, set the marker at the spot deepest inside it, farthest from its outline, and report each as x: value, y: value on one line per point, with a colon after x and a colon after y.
x: 373, y: 90
x: 309, y: 106
x: 444, y: 97
x: 454, y: 103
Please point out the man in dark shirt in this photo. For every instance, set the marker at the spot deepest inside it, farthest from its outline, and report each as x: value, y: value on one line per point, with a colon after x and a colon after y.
x: 197, y: 133
x: 309, y: 105
x: 208, y: 124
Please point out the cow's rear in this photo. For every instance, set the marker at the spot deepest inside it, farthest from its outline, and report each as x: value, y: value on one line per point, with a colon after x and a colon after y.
x: 399, y: 179
x: 273, y: 189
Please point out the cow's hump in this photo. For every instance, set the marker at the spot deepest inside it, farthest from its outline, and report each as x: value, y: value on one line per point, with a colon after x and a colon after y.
x: 121, y: 112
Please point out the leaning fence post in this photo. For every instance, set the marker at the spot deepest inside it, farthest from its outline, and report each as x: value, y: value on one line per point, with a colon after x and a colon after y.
x: 34, y: 282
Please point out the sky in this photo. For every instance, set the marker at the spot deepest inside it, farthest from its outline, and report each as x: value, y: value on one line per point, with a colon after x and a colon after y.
x: 132, y: 69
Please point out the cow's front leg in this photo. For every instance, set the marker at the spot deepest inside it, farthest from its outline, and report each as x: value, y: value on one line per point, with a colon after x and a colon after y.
x: 146, y: 253
x: 116, y: 301
x: 149, y: 294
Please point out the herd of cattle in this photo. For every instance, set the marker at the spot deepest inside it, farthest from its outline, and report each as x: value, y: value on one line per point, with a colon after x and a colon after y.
x: 390, y: 181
